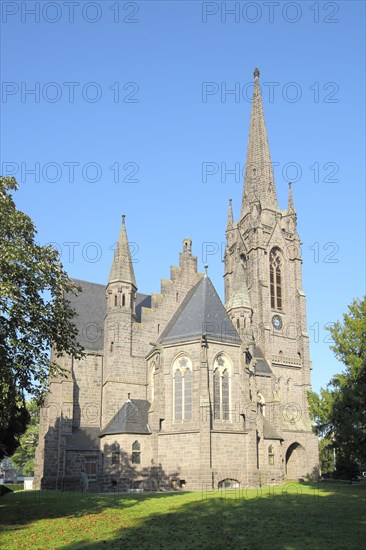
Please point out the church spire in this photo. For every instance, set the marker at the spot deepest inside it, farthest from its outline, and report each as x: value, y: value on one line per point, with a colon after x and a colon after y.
x: 122, y: 268
x: 258, y: 181
x: 230, y: 218
x: 239, y: 297
x: 290, y: 202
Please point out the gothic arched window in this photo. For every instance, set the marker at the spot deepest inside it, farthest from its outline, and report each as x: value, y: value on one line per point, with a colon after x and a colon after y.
x: 178, y: 395
x: 136, y: 453
x: 221, y: 388
x: 182, y: 388
x: 216, y: 386
x: 225, y: 395
x: 275, y: 278
x: 271, y: 455
x: 188, y: 395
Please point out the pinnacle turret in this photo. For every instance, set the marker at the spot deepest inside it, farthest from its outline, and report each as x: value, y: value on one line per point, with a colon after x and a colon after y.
x: 230, y: 218
x: 259, y: 181
x: 122, y: 268
x: 290, y: 202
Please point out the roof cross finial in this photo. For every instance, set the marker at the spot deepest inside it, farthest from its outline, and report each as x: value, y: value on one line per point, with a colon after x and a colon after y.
x: 256, y: 72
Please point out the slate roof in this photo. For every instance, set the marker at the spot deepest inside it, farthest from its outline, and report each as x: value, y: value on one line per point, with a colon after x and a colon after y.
x: 132, y: 418
x: 269, y: 431
x: 122, y: 267
x: 200, y: 313
x: 83, y: 439
x: 262, y: 367
x: 142, y: 300
x: 90, y: 306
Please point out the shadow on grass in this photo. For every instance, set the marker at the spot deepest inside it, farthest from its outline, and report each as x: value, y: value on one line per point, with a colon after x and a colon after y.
x: 290, y: 517
x: 295, y: 516
x: 21, y: 508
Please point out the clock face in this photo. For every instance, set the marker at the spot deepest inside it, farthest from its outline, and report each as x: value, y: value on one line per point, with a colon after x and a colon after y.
x: 277, y: 322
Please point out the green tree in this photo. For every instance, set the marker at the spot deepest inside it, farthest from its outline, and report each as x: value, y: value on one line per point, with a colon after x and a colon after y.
x: 24, y: 455
x: 33, y: 317
x: 339, y: 412
x: 320, y: 407
x: 348, y: 415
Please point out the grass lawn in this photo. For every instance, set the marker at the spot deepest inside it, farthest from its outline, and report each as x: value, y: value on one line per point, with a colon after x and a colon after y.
x: 291, y: 516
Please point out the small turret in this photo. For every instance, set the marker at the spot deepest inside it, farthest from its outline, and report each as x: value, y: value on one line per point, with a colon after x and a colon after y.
x: 187, y: 245
x: 121, y: 287
x: 239, y: 293
x: 122, y: 268
x: 238, y: 305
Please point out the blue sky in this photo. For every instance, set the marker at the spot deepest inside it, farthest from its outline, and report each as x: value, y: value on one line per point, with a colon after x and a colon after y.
x: 132, y: 100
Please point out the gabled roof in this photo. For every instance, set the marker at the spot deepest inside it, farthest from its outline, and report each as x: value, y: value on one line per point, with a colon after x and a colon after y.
x: 90, y: 307
x: 132, y: 418
x: 201, y: 313
x: 262, y: 367
x: 269, y: 431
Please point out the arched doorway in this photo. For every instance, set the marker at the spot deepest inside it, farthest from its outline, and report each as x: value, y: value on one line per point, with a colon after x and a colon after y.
x: 229, y: 483
x: 296, y: 461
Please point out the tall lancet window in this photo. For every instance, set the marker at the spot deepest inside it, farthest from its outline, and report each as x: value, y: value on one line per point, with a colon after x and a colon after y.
x: 275, y: 278
x: 216, y: 386
x: 221, y: 388
x: 178, y: 395
x: 188, y: 395
x: 182, y: 380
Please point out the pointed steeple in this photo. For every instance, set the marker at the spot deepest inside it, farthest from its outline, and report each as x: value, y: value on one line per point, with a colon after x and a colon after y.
x: 290, y: 202
x: 239, y: 297
x: 258, y: 182
x: 230, y: 218
x: 122, y: 268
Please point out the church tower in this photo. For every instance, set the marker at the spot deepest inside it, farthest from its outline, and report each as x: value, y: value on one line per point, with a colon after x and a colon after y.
x: 119, y: 378
x: 263, y: 283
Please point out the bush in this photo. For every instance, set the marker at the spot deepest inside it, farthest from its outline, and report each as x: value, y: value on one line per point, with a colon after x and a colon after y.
x: 14, y: 487
x: 3, y: 490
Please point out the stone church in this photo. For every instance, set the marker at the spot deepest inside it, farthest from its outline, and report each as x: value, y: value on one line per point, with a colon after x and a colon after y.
x: 178, y: 390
